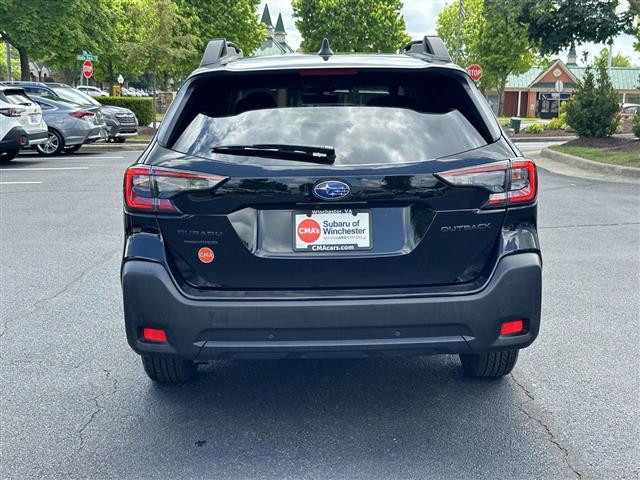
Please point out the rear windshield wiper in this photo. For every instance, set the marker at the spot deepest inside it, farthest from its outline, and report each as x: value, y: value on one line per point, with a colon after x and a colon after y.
x: 301, y: 153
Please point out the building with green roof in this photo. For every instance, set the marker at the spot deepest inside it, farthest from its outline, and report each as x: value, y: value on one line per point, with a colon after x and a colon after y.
x: 276, y: 41
x: 540, y: 91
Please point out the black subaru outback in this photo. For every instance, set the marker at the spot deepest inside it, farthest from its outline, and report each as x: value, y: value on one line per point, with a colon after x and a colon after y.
x: 307, y: 206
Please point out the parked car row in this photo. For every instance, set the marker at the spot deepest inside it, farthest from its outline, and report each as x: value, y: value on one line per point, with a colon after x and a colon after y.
x: 53, y: 118
x: 135, y: 92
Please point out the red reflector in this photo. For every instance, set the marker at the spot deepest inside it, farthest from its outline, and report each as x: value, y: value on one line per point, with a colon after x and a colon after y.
x: 154, y: 335
x: 509, y: 328
x: 22, y: 140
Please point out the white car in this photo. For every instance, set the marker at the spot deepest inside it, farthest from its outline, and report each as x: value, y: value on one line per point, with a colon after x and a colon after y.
x: 92, y: 91
x: 21, y: 122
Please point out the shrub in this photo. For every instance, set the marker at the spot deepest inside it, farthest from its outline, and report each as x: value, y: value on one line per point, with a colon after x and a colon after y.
x: 636, y: 125
x: 556, y: 124
x: 535, y: 128
x: 140, y: 106
x: 593, y: 108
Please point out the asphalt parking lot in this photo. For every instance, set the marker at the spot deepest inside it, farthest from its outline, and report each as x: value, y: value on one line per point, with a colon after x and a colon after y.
x: 75, y: 402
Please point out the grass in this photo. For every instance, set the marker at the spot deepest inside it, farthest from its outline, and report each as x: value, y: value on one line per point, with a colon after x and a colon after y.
x: 140, y: 138
x: 626, y: 159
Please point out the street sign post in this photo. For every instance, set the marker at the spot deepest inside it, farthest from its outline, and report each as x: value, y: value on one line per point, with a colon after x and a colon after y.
x: 475, y: 72
x: 87, y: 69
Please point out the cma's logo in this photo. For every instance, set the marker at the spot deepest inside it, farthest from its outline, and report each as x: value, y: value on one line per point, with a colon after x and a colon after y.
x: 466, y: 228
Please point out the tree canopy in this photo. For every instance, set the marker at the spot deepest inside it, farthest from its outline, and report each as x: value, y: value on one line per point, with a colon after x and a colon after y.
x: 112, y: 29
x: 617, y: 60
x: 557, y: 24
x: 351, y: 25
x: 491, y: 36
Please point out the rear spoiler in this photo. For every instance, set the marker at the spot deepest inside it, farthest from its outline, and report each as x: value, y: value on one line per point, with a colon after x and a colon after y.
x: 219, y: 52
x: 430, y: 48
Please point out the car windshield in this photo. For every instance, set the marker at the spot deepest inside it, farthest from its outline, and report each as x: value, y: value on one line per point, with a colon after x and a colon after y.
x: 74, y: 96
x: 359, y: 135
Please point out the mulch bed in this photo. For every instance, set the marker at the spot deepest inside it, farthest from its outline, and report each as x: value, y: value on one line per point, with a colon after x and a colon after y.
x: 146, y: 131
x: 614, y: 144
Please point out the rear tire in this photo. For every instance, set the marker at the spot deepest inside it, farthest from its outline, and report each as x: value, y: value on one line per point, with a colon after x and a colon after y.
x: 119, y: 140
x: 9, y: 155
x: 490, y: 364
x: 168, y: 370
x: 54, y: 145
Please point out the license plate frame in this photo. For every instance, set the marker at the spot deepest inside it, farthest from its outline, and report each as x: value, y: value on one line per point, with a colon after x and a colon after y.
x: 334, y: 238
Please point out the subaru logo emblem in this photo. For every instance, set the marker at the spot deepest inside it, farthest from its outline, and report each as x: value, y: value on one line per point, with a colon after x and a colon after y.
x: 331, y: 190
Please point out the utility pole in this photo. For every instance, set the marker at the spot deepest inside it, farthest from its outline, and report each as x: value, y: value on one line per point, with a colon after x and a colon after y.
x: 9, y: 73
x: 610, y: 58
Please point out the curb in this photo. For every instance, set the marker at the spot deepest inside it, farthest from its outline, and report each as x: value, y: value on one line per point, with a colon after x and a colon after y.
x: 590, y: 165
x: 108, y: 147
x: 541, y: 139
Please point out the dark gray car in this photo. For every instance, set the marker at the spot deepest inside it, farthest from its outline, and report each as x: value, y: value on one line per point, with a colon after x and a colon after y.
x: 70, y: 126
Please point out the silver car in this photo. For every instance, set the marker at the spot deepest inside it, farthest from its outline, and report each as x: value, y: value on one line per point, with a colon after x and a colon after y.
x: 70, y: 126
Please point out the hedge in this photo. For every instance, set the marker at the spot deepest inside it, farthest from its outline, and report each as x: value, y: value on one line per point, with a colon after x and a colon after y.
x: 140, y: 106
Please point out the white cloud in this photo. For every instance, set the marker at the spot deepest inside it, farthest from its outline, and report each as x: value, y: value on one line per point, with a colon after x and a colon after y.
x: 421, y: 16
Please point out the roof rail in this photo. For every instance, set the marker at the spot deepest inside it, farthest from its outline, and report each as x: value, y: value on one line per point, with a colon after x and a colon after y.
x: 219, y: 52
x: 430, y: 48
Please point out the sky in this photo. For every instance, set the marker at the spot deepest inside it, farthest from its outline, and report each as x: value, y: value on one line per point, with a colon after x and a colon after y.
x: 420, y: 17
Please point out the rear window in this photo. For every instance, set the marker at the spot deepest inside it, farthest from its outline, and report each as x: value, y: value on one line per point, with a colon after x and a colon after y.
x: 369, y: 118
x: 17, y: 98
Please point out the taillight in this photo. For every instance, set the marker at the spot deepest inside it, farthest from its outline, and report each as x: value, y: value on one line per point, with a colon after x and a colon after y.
x: 149, y: 188
x: 81, y: 114
x: 12, y: 111
x: 510, y: 182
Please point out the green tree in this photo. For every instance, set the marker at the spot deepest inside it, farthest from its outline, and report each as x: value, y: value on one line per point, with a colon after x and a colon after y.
x: 351, y: 25
x: 125, y: 28
x: 593, y: 108
x: 33, y: 27
x: 617, y: 60
x: 462, y: 38
x: 557, y: 24
x: 162, y: 44
x: 490, y: 36
x: 239, y: 24
x: 15, y: 62
x: 503, y: 45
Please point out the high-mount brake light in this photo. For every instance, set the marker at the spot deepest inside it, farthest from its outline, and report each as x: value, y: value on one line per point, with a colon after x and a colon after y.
x: 328, y: 72
x: 510, y: 182
x: 151, y: 189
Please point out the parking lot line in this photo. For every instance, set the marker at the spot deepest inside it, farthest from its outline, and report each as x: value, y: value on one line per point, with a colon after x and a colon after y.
x: 32, y: 169
x: 95, y: 157
x: 17, y: 183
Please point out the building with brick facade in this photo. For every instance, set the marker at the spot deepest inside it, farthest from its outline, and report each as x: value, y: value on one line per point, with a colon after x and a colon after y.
x: 540, y: 91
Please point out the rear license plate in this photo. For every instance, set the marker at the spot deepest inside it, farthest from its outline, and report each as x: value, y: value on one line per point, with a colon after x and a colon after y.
x: 332, y: 230
x: 34, y: 119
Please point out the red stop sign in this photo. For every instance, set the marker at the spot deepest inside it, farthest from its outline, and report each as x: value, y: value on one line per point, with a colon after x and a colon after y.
x: 87, y: 69
x: 475, y: 72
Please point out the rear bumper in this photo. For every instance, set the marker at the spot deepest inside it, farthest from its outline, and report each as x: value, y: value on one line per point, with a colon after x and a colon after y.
x: 209, y: 329
x: 18, y: 137
x: 123, y: 130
